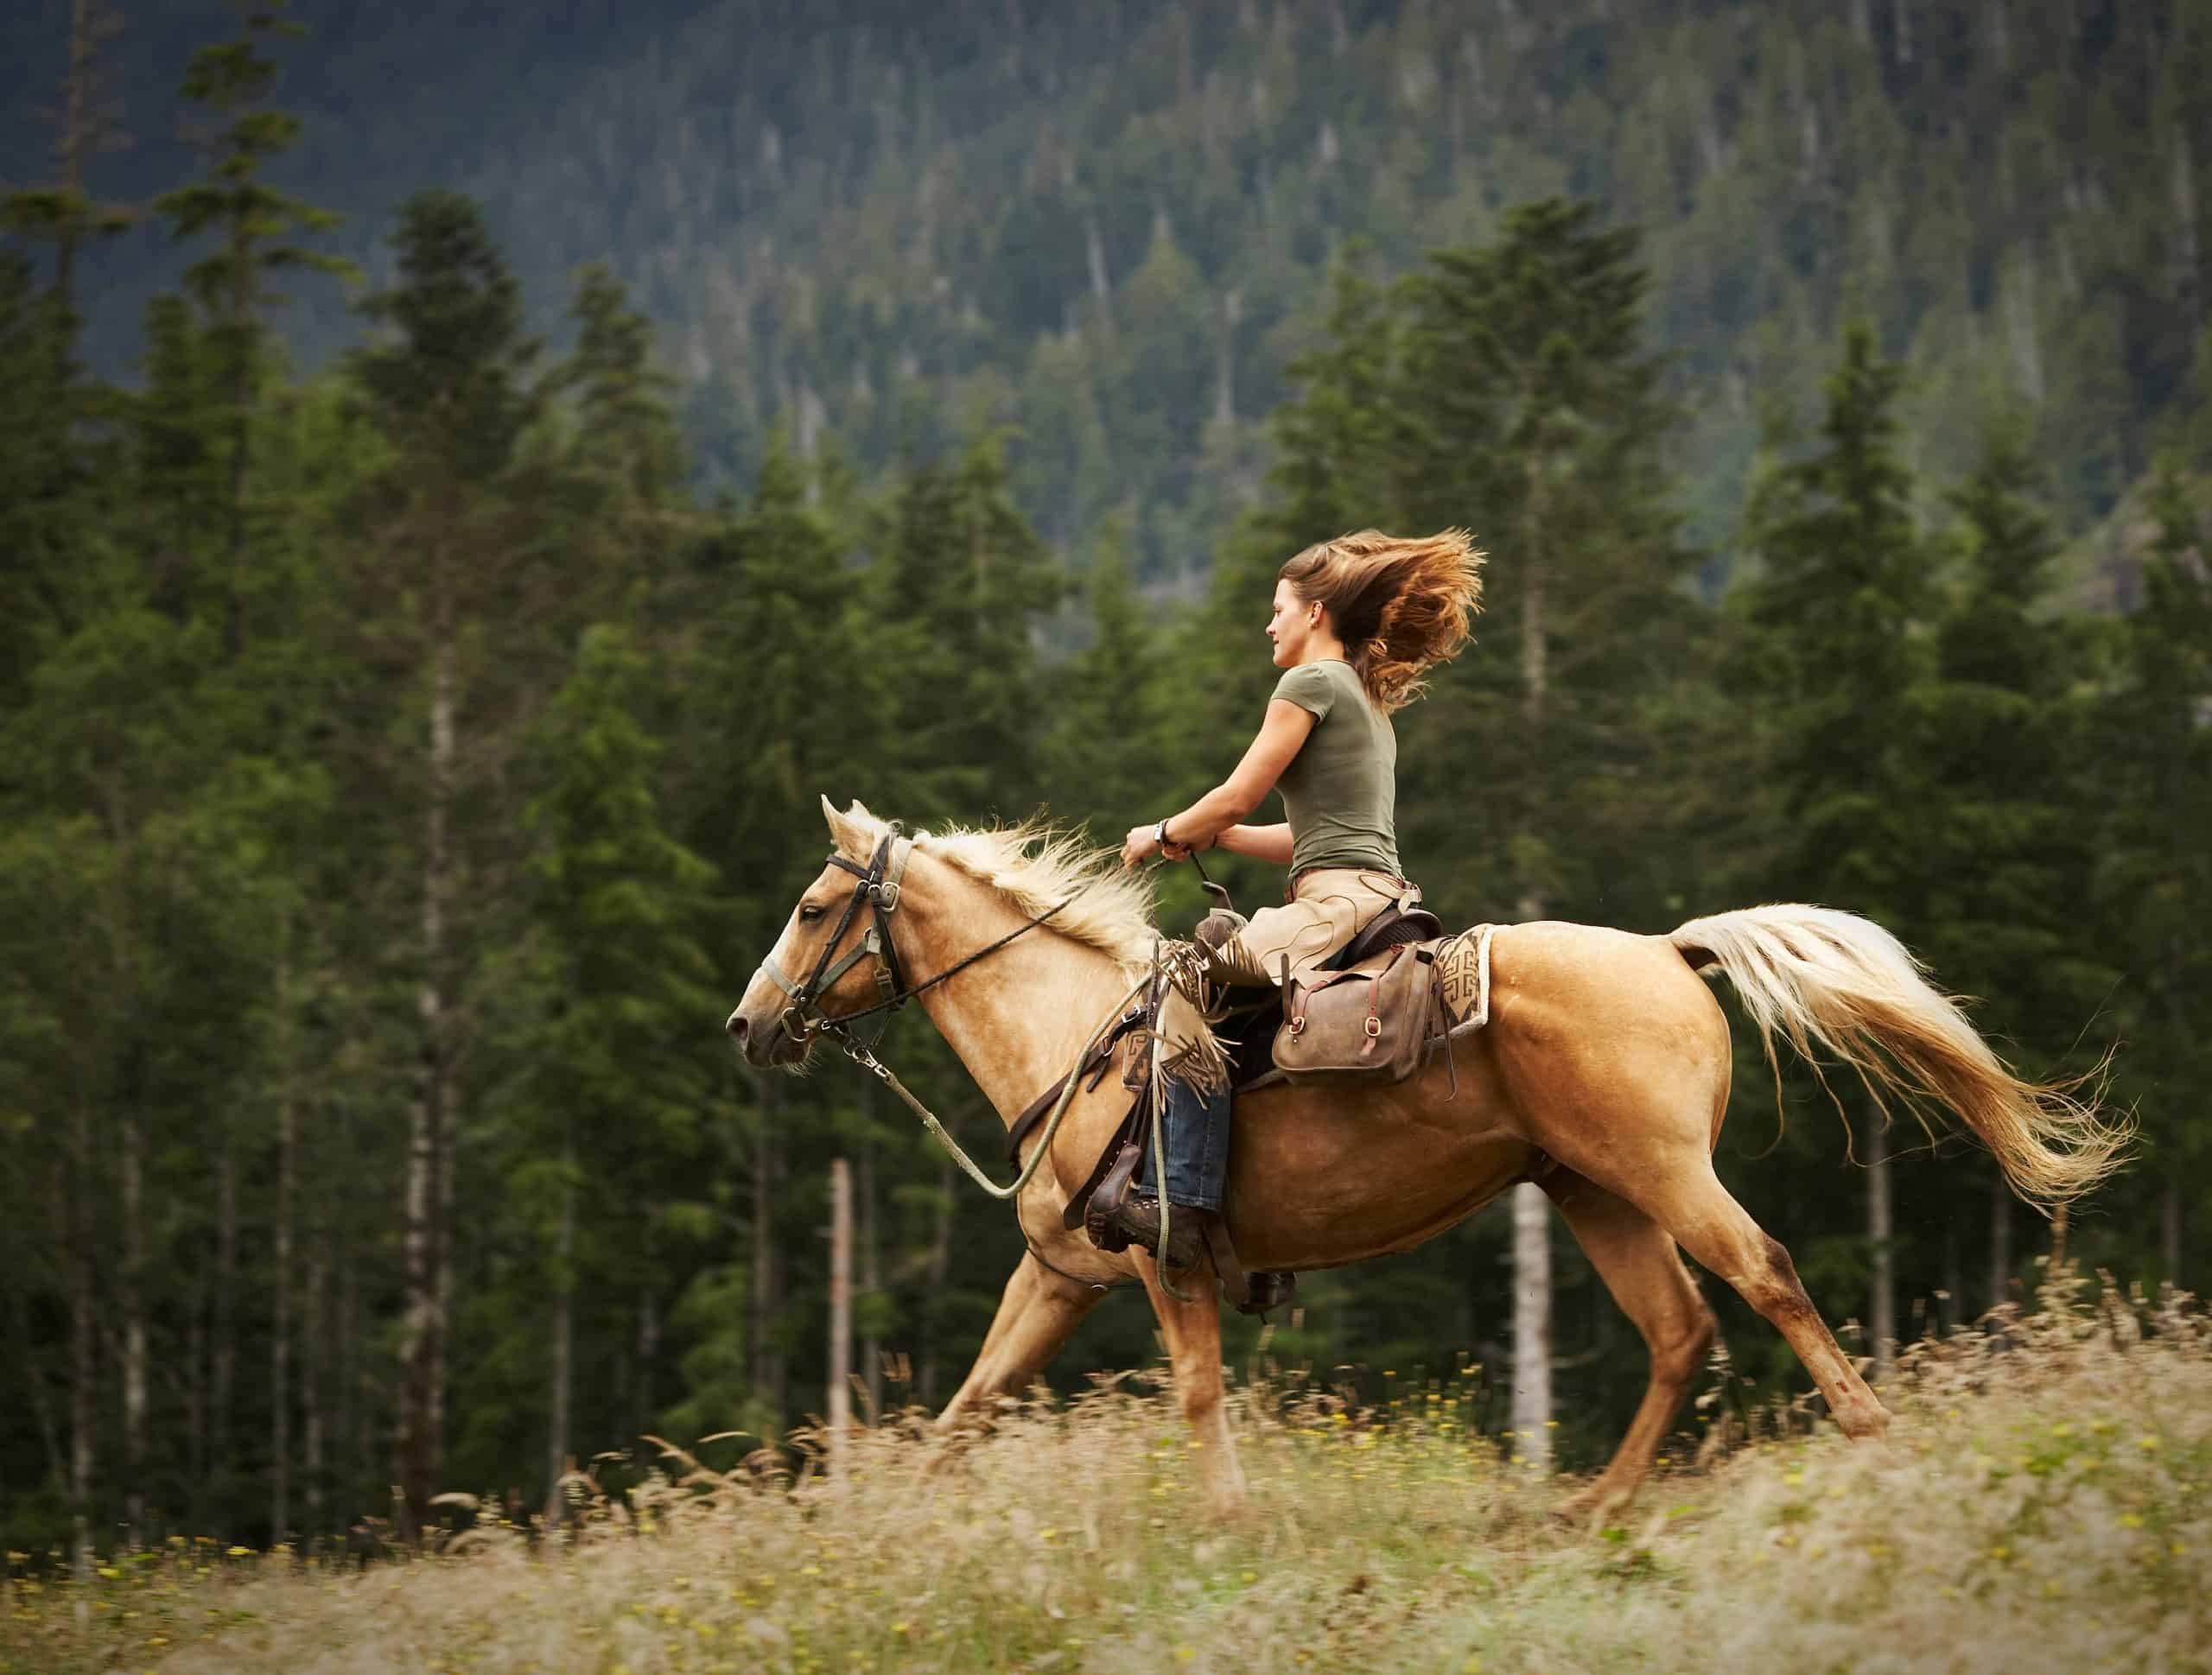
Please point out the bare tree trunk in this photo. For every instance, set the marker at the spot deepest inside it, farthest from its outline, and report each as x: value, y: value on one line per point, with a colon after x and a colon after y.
x: 871, y: 1267
x: 1947, y: 1316
x: 838, y: 1397
x: 2189, y: 291
x: 1882, y: 1301
x: 280, y: 1336
x: 35, y: 1376
x: 131, y: 1302
x: 194, y: 1381
x: 765, y: 1358
x: 83, y: 1368
x: 564, y: 1325
x: 648, y: 1352
x: 1532, y: 1258
x: 2169, y: 1232
x: 940, y: 1261
x: 311, y: 1371
x: 223, y: 1369
x: 421, y: 1352
x: 2000, y: 1241
x: 1532, y: 1323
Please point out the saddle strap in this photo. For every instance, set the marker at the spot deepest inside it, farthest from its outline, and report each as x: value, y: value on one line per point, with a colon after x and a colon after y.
x: 1132, y: 1137
x: 1234, y: 1285
x: 1095, y: 1065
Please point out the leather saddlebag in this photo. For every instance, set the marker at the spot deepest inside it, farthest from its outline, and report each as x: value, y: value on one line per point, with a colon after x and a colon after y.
x: 1373, y: 1022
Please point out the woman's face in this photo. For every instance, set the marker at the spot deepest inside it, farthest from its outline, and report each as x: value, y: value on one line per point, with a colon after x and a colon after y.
x: 1290, y: 626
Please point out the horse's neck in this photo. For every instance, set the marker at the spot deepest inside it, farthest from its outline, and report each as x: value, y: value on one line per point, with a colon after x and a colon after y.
x: 1017, y: 1017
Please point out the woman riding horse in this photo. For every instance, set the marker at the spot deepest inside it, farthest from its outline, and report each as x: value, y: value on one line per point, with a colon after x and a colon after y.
x: 1357, y: 622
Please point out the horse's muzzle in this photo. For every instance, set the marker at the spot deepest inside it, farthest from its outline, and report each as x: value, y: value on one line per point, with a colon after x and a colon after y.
x: 764, y: 1046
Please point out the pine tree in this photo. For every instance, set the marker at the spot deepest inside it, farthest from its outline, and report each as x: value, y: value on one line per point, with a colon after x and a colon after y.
x: 448, y: 389
x: 1845, y: 579
x: 2004, y: 854
x: 257, y: 227
x: 2155, y: 741
x: 613, y: 1066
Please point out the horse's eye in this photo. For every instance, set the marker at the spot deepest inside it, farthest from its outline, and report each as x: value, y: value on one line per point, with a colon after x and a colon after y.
x: 809, y: 914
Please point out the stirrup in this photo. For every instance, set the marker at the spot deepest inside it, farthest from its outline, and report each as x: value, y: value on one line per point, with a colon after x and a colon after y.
x: 1135, y: 1220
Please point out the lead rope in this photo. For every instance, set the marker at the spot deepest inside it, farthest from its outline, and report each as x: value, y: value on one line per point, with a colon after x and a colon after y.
x: 868, y: 1061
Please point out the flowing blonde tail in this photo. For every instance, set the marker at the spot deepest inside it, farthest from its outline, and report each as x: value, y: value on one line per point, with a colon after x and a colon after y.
x: 1818, y: 976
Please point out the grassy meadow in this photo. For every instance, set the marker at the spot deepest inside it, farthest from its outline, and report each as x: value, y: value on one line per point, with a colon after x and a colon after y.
x: 2045, y: 1503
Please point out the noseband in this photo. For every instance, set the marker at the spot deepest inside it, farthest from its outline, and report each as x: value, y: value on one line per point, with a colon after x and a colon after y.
x: 878, y: 886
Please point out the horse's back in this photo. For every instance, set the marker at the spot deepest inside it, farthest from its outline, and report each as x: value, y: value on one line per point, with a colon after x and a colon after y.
x: 1596, y: 1036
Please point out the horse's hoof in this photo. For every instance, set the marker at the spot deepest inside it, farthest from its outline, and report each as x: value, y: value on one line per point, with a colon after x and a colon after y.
x: 1584, y: 1508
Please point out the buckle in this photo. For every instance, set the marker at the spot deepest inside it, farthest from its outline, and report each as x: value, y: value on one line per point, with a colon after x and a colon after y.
x: 1373, y: 1027
x: 1298, y: 1024
x: 886, y: 895
x: 798, y: 1032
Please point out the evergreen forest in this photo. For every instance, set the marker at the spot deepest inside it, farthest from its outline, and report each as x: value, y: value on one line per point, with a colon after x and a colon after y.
x: 468, y: 486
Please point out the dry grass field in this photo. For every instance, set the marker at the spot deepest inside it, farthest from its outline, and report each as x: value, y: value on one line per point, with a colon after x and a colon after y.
x: 2044, y: 1504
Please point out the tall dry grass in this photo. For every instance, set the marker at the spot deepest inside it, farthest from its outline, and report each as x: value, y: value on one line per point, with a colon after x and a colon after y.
x: 2044, y: 1504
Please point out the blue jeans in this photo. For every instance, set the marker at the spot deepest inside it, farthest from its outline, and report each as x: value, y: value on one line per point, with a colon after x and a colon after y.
x: 1194, y: 1132
x: 1194, y: 1140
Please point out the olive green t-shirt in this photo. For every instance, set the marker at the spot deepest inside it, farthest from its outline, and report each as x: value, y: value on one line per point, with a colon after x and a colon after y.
x: 1341, y: 790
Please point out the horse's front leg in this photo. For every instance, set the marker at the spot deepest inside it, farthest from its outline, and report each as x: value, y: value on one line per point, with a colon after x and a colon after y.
x: 1037, y: 1312
x: 1193, y: 1334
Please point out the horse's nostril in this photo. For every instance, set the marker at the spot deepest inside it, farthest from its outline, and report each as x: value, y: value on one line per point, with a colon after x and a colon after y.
x: 737, y: 1029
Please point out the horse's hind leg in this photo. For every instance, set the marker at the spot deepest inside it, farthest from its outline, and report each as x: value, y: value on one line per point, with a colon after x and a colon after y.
x: 1690, y: 1203
x: 1636, y: 1258
x: 1037, y: 1312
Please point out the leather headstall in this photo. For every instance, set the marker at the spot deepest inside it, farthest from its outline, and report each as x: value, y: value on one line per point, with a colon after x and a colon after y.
x: 878, y: 886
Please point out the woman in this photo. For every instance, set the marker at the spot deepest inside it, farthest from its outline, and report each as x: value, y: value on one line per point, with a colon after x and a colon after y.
x: 1357, y: 622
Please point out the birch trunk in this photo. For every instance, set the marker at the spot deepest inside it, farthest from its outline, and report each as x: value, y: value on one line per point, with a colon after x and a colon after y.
x: 1882, y: 1299
x: 1532, y: 1254
x: 422, y: 1330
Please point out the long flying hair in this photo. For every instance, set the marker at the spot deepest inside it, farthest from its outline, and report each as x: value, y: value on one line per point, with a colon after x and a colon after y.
x: 1400, y: 604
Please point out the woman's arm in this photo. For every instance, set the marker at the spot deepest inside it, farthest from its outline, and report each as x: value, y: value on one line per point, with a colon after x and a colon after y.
x: 1261, y: 842
x: 1282, y: 736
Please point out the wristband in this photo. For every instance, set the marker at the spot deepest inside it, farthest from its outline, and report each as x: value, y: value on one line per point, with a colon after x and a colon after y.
x: 1160, y: 833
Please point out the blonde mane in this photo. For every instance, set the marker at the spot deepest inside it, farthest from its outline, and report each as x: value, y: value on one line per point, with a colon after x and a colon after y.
x: 1037, y: 866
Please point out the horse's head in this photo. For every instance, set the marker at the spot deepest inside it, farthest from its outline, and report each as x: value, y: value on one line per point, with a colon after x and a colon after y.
x: 822, y: 942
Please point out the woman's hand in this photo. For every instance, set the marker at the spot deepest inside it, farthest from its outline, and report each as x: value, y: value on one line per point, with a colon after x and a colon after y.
x: 1140, y: 845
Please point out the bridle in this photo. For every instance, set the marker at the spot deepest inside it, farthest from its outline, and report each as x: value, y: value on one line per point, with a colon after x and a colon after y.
x: 878, y: 886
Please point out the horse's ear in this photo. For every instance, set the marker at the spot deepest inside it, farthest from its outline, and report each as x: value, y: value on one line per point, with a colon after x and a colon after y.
x: 851, y: 830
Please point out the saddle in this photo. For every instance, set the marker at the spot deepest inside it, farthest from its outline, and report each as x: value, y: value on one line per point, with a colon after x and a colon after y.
x: 1373, y: 1013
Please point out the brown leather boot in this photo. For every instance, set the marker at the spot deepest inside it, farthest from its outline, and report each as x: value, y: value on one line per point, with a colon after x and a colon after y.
x: 1138, y: 1217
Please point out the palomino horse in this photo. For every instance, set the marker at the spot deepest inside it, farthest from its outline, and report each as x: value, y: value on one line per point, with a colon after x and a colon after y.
x: 1603, y: 1072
